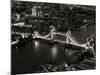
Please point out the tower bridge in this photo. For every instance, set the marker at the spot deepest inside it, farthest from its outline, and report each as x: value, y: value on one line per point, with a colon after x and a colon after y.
x: 69, y: 38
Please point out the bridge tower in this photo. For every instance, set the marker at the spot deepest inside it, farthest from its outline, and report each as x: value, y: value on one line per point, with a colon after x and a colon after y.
x: 52, y: 32
x: 67, y: 37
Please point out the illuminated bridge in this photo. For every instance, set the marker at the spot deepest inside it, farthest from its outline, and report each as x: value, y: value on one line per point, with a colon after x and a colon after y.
x: 51, y: 36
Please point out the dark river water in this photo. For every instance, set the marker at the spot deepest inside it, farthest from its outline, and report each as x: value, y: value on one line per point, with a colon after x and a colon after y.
x: 27, y: 57
x: 35, y: 53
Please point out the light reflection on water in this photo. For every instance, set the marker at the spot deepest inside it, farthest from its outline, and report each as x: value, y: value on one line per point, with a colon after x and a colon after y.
x: 36, y: 44
x: 54, y: 51
x: 41, y: 48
